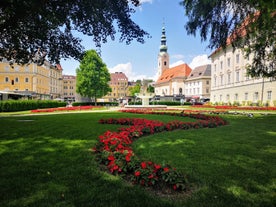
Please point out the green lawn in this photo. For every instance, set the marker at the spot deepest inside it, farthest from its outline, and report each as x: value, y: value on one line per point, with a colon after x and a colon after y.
x: 46, y: 161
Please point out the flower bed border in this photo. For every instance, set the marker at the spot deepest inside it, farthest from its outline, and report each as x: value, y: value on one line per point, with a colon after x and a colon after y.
x: 73, y: 108
x: 114, y: 151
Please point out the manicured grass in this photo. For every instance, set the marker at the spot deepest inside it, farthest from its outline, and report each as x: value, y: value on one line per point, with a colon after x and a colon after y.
x: 46, y: 161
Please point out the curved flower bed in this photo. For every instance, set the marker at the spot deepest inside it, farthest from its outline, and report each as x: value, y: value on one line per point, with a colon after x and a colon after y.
x: 73, y: 108
x: 114, y: 151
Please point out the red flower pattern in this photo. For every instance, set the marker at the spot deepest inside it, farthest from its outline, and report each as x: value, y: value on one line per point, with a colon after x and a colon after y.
x: 121, y: 159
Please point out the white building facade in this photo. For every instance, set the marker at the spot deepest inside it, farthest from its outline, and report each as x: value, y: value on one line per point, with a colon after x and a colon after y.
x: 198, y: 84
x: 231, y: 84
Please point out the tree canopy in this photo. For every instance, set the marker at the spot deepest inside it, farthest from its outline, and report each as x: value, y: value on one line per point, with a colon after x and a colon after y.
x: 250, y: 25
x: 92, y: 76
x: 33, y: 30
x: 135, y: 89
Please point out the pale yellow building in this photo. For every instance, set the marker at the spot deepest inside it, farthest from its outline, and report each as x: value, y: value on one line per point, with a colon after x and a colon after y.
x: 32, y: 80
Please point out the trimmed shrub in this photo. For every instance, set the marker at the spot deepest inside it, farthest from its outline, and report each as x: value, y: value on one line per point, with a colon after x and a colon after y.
x: 24, y: 105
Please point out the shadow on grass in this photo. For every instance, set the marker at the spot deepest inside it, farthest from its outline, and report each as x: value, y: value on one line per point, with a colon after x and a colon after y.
x: 47, y: 162
x: 233, y: 165
x: 48, y: 171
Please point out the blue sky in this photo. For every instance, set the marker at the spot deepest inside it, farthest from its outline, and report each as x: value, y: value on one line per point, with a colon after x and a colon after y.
x: 139, y: 61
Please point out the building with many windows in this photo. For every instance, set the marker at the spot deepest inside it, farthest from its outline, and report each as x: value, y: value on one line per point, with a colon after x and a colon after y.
x: 69, y: 88
x: 198, y: 84
x: 231, y: 84
x: 119, y: 86
x: 32, y: 80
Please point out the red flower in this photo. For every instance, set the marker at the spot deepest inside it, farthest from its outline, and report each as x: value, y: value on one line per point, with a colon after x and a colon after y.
x: 128, y: 158
x: 174, y: 187
x: 151, y: 176
x: 137, y: 173
x: 166, y: 169
x: 111, y: 158
x: 157, y: 167
x: 143, y: 165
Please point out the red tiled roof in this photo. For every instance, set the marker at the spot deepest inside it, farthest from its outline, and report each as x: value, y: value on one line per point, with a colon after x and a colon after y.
x: 241, y: 31
x: 117, y: 77
x: 68, y: 77
x: 182, y: 70
x: 58, y: 66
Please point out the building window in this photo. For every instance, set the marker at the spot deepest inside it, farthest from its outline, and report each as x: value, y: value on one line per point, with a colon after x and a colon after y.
x: 215, y: 81
x: 256, y: 96
x: 237, y: 58
x: 207, y: 90
x: 6, y: 79
x: 221, y: 80
x: 180, y: 91
x: 269, y: 93
x: 229, y: 78
x: 165, y: 63
x: 228, y: 62
x: 26, y: 80
x: 227, y: 97
x: 236, y: 96
x: 237, y: 76
x: 16, y: 80
x: 221, y: 65
x: 215, y: 67
x: 246, y: 96
x: 220, y: 97
x: 207, y: 82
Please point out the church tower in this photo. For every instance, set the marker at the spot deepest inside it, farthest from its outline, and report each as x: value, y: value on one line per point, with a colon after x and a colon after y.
x: 163, y: 56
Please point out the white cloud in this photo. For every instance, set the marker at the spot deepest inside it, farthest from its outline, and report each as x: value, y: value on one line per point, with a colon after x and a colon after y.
x: 178, y: 56
x: 143, y: 2
x: 199, y: 60
x: 179, y: 62
x: 146, y: 1
x: 126, y: 68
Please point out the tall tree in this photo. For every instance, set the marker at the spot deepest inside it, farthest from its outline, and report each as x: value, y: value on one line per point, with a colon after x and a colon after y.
x: 92, y: 76
x: 249, y: 24
x: 32, y: 30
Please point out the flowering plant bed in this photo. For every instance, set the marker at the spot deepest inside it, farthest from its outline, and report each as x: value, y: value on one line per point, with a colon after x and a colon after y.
x: 251, y: 108
x: 114, y: 151
x: 73, y: 108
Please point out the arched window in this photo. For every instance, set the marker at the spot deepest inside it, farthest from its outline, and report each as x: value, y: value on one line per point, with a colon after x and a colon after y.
x: 165, y: 63
x: 180, y: 91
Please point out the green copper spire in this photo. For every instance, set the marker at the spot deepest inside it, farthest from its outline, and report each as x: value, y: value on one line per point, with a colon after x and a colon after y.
x: 163, y: 46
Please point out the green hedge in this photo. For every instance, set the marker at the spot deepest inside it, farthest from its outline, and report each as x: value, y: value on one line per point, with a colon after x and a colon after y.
x: 168, y: 103
x: 24, y: 105
x: 93, y: 104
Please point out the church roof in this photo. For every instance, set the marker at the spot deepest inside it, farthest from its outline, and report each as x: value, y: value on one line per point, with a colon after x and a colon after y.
x: 180, y: 71
x: 200, y: 71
